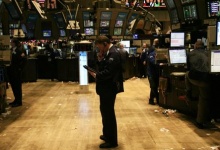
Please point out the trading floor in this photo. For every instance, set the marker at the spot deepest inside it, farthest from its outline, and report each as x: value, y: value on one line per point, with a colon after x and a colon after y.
x: 54, y: 116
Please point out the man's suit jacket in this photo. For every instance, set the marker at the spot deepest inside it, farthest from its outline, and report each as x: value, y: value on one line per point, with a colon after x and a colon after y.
x: 109, y: 77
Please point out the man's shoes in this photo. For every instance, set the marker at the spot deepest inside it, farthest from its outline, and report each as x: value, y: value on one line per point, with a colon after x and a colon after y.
x: 199, y: 125
x: 107, y: 145
x: 151, y: 103
x: 102, y: 137
x: 12, y: 103
x: 15, y: 105
x: 189, y: 96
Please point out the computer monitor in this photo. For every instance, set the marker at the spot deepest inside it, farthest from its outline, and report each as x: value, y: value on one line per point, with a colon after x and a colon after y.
x: 177, y: 56
x: 106, y: 15
x: 104, y: 23
x: 215, y: 61
x: 218, y: 32
x: 119, y: 23
x: 132, y: 50
x: 126, y: 43
x: 177, y: 39
x: 103, y: 31
x: 62, y: 32
x: 190, y: 12
x: 117, y: 31
x: 47, y: 33
x: 213, y: 8
x: 89, y: 31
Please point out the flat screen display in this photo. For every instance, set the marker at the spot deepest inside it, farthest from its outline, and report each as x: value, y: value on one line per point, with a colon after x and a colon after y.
x: 104, y: 31
x: 133, y: 50
x: 177, y: 56
x: 213, y: 8
x: 126, y: 43
x: 60, y: 20
x: 122, y: 16
x: 104, y: 23
x: 89, y: 31
x: 88, y: 23
x: 118, y: 23
x: 190, y: 12
x: 62, y: 32
x: 218, y: 33
x: 47, y: 33
x: 106, y: 15
x: 177, y: 39
x: 154, y: 3
x: 215, y: 61
x: 117, y: 31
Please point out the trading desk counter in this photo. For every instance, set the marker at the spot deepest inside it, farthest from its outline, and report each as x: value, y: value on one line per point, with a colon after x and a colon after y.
x: 172, y: 92
x: 132, y: 67
x: 29, y: 73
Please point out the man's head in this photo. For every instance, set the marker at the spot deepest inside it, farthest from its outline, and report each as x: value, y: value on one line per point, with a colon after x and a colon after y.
x: 15, y: 43
x: 102, y: 43
x: 199, y: 45
x: 156, y: 42
x: 121, y: 46
x: 144, y: 45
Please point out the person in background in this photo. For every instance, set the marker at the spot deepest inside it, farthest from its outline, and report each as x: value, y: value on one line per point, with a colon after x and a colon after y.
x: 18, y: 60
x: 124, y: 56
x: 153, y: 72
x: 198, y: 75
x: 143, y: 55
x: 109, y: 82
x: 51, y: 60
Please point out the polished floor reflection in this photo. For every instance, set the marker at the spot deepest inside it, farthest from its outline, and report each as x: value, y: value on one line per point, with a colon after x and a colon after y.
x: 54, y: 116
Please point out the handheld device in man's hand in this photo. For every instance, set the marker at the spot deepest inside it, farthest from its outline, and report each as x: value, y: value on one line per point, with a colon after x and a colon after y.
x: 89, y: 68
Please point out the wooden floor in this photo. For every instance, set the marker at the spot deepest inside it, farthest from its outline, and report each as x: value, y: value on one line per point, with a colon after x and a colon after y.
x: 55, y: 117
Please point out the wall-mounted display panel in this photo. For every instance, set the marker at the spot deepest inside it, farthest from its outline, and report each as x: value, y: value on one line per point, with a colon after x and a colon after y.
x: 89, y: 31
x: 213, y: 8
x: 177, y: 56
x: 106, y: 15
x: 117, y: 31
x: 104, y: 23
x: 190, y: 12
x: 154, y: 3
x: 47, y: 33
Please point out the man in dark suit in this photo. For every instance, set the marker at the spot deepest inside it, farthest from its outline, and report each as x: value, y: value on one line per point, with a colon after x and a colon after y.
x: 109, y: 82
x: 18, y: 59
